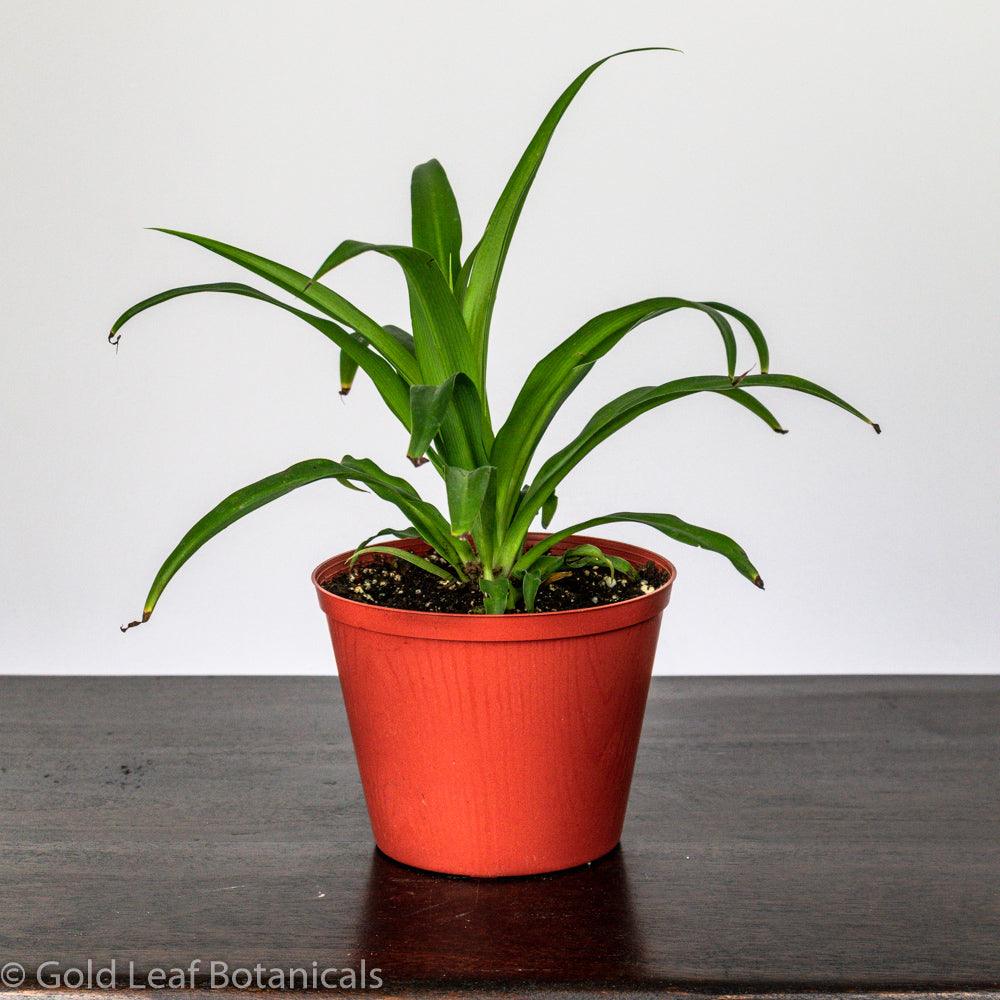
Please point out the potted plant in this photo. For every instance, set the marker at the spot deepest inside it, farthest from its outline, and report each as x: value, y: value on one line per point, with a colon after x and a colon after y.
x: 495, y: 678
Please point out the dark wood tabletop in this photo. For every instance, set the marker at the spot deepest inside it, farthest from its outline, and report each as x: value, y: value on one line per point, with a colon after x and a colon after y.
x: 832, y: 835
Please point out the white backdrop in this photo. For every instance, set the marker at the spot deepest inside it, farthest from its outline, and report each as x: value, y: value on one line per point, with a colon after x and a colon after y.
x: 830, y: 167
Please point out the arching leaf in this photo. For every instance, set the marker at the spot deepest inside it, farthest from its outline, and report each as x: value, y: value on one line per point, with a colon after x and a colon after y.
x: 553, y: 378
x: 671, y: 526
x: 323, y: 298
x: 491, y: 252
x: 387, y: 381
x: 411, y: 557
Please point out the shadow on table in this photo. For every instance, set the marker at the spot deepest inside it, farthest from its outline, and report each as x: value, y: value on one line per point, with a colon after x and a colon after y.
x: 415, y: 924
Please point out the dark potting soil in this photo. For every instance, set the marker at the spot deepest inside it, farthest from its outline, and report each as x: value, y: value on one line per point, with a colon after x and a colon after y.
x: 393, y: 583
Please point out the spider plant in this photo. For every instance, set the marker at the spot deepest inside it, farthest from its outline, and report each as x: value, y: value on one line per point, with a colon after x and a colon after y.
x: 433, y: 380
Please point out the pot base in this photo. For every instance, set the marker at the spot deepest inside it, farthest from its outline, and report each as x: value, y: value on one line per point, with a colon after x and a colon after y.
x: 492, y: 875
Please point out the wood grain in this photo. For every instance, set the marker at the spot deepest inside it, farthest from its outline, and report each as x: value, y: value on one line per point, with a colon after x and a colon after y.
x: 823, y: 835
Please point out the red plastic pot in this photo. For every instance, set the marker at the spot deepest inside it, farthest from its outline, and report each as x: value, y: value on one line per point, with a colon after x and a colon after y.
x: 496, y: 744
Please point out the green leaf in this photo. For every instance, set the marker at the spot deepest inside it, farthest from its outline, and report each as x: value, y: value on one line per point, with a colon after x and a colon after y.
x: 323, y: 298
x: 530, y: 582
x: 491, y: 252
x: 552, y: 380
x: 756, y: 334
x: 230, y: 510
x: 591, y: 555
x: 549, y: 509
x: 429, y: 522
x: 442, y: 349
x: 473, y: 422
x: 671, y: 526
x: 518, y: 439
x: 428, y: 408
x: 348, y: 369
x: 436, y: 224
x: 622, y: 566
x: 606, y: 421
x: 462, y: 282
x: 586, y: 555
x: 389, y: 384
x: 395, y: 532
x: 344, y: 251
x: 466, y: 490
x: 809, y: 388
x: 621, y: 411
x: 451, y: 412
x: 498, y: 594
x: 756, y: 407
x: 406, y: 556
x: 404, y: 338
x: 546, y: 566
x: 440, y: 338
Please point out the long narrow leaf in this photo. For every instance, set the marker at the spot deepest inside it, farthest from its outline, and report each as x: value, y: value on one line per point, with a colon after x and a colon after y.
x: 230, y: 510
x: 435, y: 221
x: 402, y: 337
x: 484, y: 277
x: 809, y: 388
x: 343, y: 252
x: 553, y: 378
x: 425, y: 517
x: 387, y: 381
x: 461, y: 286
x: 470, y: 413
x: 611, y: 418
x: 756, y: 334
x: 441, y: 345
x: 348, y: 367
x: 441, y: 341
x: 323, y: 298
x: 671, y: 526
x: 518, y: 438
x: 411, y: 557
x: 395, y: 532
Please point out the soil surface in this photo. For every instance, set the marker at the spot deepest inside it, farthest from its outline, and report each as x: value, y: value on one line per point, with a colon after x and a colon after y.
x: 393, y: 583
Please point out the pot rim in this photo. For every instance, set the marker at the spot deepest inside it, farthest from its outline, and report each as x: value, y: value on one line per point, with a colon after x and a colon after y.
x: 522, y: 626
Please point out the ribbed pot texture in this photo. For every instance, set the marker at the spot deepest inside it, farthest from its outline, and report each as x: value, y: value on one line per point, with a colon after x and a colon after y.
x: 496, y: 745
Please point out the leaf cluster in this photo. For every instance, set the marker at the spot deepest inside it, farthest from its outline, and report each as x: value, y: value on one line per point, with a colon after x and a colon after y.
x: 433, y: 380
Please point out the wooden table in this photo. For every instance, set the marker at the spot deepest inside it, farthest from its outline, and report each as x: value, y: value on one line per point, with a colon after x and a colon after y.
x: 839, y: 835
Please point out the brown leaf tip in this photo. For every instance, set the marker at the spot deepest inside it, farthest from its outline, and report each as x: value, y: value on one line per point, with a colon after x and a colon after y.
x: 418, y: 460
x: 781, y: 430
x: 878, y: 430
x: 140, y: 621
x: 344, y: 390
x: 758, y: 582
